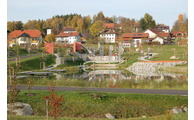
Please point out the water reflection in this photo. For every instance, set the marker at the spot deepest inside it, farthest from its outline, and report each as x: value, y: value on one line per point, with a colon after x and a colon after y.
x: 118, y: 75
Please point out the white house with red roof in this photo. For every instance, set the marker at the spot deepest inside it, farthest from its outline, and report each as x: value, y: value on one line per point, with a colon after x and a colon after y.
x: 158, y: 34
x: 22, y: 37
x: 108, y: 34
x: 68, y: 35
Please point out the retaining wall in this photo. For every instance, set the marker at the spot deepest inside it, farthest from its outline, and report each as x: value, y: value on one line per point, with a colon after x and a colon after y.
x: 151, y: 67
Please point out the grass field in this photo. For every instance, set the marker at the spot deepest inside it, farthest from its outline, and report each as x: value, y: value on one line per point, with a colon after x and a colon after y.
x: 83, y: 104
x: 33, y: 63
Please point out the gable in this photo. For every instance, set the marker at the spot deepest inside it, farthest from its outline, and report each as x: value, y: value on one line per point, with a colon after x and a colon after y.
x: 24, y: 35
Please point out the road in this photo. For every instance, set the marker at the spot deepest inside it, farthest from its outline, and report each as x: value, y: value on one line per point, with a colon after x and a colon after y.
x: 24, y: 56
x: 115, y: 90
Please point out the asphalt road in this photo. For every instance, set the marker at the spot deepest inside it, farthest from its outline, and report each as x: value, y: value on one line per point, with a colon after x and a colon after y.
x: 25, y: 56
x: 115, y: 90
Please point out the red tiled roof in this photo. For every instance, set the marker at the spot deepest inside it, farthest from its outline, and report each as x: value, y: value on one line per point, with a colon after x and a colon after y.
x: 68, y: 28
x: 136, y: 24
x: 135, y: 35
x: 120, y: 39
x: 177, y: 32
x: 109, y: 25
x: 119, y: 25
x: 163, y: 34
x: 17, y: 33
x: 67, y: 34
x: 156, y: 31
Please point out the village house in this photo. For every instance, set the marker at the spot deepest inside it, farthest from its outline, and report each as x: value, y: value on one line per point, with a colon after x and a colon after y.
x: 108, y: 34
x: 181, y: 38
x: 159, y: 34
x: 25, y: 37
x: 68, y: 35
x: 133, y: 39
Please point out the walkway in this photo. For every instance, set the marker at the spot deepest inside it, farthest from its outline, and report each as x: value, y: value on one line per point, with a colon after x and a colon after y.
x: 58, y: 62
x: 23, y: 56
x: 114, y: 90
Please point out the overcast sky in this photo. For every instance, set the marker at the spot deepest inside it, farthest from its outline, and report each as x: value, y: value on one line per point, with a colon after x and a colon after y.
x: 162, y: 11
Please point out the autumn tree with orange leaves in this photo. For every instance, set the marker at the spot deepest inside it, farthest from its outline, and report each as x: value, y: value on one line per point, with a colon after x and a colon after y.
x: 181, y: 24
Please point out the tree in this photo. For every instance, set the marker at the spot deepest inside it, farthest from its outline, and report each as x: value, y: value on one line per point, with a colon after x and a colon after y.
x: 96, y: 28
x: 31, y: 24
x: 100, y: 16
x: 80, y: 25
x: 19, y: 25
x: 39, y: 25
x: 50, y: 37
x: 147, y: 22
x: 143, y: 24
x: 87, y: 22
x: 181, y: 24
x: 14, y: 25
x: 11, y: 26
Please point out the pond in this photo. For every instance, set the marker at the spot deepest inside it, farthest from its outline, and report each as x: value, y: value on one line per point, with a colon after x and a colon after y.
x: 111, y: 79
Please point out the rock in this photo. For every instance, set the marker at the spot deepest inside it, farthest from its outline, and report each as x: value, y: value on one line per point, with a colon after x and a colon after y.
x: 109, y: 116
x: 176, y: 110
x: 18, y: 108
x: 174, y: 57
x: 185, y: 109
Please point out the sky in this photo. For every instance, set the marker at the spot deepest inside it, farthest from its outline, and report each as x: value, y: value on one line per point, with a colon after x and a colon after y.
x: 162, y: 11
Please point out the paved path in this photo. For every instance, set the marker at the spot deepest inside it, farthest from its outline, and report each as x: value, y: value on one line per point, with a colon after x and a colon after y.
x: 115, y: 90
x: 25, y: 56
x: 58, y: 62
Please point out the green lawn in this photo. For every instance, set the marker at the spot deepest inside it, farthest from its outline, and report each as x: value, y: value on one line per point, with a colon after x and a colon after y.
x: 83, y: 104
x: 33, y: 63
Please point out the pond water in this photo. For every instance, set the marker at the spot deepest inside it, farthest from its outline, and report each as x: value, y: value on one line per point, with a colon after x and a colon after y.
x: 112, y: 78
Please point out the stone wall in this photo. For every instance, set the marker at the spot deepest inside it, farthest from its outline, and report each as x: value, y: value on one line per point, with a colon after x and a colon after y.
x: 152, y: 67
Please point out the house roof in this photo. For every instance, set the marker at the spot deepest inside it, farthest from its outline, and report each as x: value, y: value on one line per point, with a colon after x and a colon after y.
x: 109, y: 25
x: 68, y: 28
x: 18, y: 33
x: 163, y: 34
x: 119, y: 25
x: 161, y: 27
x: 177, y: 32
x: 135, y: 35
x: 68, y: 34
x: 108, y: 31
x: 156, y: 31
x: 136, y: 24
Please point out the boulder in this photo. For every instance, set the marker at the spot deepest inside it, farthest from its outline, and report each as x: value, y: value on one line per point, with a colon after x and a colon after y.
x: 176, y: 110
x: 18, y: 108
x: 185, y: 109
x: 109, y: 116
x: 174, y: 57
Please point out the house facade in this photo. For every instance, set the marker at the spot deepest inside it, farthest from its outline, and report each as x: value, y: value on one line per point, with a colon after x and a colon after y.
x: 108, y: 36
x: 26, y: 37
x: 133, y: 39
x: 68, y: 35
